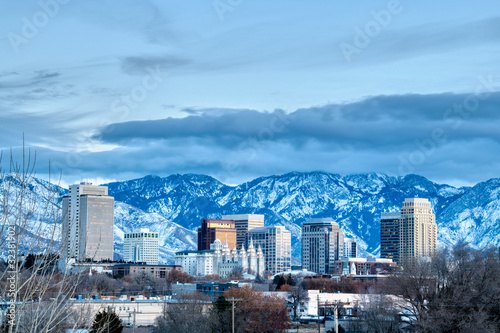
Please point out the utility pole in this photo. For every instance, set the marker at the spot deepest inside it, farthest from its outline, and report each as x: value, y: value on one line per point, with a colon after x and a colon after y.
x: 108, y: 318
x: 233, y: 300
x: 232, y: 316
x: 134, y: 320
x: 336, y: 317
x: 319, y: 328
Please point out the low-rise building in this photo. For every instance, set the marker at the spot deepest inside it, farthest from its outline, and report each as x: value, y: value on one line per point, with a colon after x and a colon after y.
x: 157, y: 271
x: 364, y: 266
x: 215, y: 289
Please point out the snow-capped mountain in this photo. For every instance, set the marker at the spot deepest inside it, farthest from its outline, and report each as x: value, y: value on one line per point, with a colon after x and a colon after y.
x: 35, y: 225
x: 175, y: 205
x: 173, y: 237
x: 41, y: 220
x: 354, y: 201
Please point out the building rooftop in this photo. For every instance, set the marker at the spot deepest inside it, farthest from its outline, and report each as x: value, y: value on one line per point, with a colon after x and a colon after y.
x: 263, y: 229
x: 390, y: 215
x: 322, y: 220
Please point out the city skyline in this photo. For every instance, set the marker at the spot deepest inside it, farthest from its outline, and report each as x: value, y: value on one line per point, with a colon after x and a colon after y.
x: 252, y: 89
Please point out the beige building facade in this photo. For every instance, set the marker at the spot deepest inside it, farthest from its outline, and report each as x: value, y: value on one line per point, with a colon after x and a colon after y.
x: 88, y: 218
x: 417, y: 231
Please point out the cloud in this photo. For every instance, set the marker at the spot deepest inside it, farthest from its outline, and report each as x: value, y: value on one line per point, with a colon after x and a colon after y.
x: 430, y: 38
x: 388, y: 134
x: 44, y: 74
x: 138, y: 65
x: 388, y: 122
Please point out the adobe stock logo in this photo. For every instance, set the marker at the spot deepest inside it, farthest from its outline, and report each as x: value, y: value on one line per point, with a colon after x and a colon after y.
x: 221, y: 7
x: 364, y: 36
x: 30, y: 27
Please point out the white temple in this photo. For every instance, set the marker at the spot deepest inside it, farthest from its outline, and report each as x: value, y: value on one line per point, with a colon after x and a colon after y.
x: 221, y: 260
x: 225, y: 260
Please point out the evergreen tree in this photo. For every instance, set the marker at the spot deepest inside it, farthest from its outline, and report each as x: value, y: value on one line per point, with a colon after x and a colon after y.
x: 222, y: 318
x: 221, y: 304
x: 281, y: 282
x: 104, y: 319
x: 290, y: 280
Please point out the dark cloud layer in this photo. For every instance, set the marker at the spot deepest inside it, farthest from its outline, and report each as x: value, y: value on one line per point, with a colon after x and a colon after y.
x: 447, y: 137
x: 388, y: 122
x: 444, y: 137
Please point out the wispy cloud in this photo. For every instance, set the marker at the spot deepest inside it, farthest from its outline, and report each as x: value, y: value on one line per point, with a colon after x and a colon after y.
x: 396, y: 43
x: 138, y: 65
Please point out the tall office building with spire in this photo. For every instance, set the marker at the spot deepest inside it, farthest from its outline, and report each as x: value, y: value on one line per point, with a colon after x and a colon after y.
x: 88, y: 214
x: 417, y: 230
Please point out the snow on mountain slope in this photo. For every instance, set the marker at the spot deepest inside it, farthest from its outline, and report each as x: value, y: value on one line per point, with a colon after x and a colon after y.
x: 173, y: 237
x: 175, y: 205
x: 354, y: 201
x: 44, y: 221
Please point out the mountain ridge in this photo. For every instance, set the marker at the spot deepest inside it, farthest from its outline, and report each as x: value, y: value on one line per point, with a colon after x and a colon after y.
x: 174, y: 205
x: 355, y: 201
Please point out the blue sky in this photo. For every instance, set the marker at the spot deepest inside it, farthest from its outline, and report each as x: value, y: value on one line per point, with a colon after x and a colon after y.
x: 237, y: 89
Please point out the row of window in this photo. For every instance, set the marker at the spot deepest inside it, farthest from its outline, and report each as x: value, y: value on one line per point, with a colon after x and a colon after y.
x: 141, y: 235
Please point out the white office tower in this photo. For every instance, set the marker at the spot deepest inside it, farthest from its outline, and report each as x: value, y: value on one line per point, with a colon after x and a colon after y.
x: 244, y: 223
x: 275, y: 242
x: 350, y: 248
x: 141, y: 245
x: 417, y: 231
x: 88, y: 213
x: 322, y: 244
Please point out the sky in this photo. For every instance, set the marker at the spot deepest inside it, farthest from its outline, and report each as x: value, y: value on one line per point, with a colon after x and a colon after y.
x: 238, y: 89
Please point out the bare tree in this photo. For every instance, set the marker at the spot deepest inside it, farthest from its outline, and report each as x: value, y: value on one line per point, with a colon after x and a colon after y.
x: 297, y: 296
x: 191, y: 314
x: 378, y: 313
x: 458, y: 291
x: 236, y: 273
x: 30, y: 218
x: 256, y: 312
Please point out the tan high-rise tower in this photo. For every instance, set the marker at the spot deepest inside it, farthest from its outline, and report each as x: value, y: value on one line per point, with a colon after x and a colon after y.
x: 88, y: 223
x: 417, y: 231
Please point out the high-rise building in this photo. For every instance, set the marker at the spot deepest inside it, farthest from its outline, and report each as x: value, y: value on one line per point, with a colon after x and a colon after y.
x: 88, y: 213
x: 244, y: 223
x: 350, y: 248
x: 275, y: 242
x: 389, y: 235
x: 322, y: 244
x: 212, y: 229
x: 141, y: 245
x: 417, y: 230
